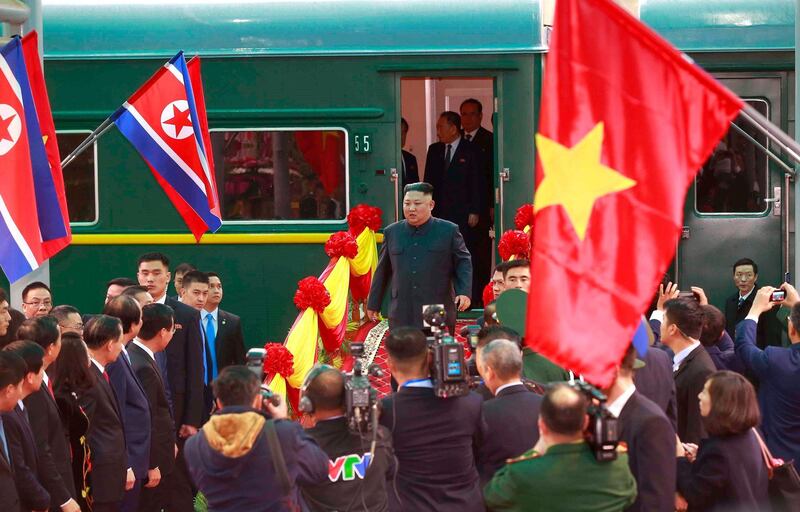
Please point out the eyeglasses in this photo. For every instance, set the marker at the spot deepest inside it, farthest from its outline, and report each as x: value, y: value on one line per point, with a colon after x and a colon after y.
x: 38, y: 304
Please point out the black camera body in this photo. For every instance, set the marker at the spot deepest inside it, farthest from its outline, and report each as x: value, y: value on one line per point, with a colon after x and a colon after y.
x: 255, y: 363
x: 448, y: 363
x: 602, y: 433
x: 360, y: 398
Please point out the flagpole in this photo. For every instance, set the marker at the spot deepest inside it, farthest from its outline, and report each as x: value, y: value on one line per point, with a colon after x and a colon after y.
x: 773, y: 133
x: 88, y: 141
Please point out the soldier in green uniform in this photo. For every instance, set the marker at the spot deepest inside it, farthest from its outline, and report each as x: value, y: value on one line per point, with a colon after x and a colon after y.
x: 560, y: 473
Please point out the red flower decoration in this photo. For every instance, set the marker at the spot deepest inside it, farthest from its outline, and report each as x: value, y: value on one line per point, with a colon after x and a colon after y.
x: 488, y: 294
x: 311, y: 293
x: 364, y: 216
x: 524, y: 216
x: 278, y: 360
x: 341, y: 243
x: 514, y: 243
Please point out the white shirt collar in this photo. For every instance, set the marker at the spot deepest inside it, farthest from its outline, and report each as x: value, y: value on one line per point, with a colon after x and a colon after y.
x: 142, y: 346
x: 162, y: 300
x: 683, y: 354
x: 21, y: 405
x: 453, y: 146
x: 46, y: 379
x: 744, y: 297
x: 617, y: 405
x: 214, y: 314
x: 472, y: 133
x: 507, y: 385
x: 98, y: 365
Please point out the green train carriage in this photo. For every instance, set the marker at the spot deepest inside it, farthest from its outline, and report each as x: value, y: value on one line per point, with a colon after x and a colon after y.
x: 283, y: 77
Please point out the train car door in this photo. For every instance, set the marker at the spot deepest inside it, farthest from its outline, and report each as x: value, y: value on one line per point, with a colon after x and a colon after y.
x: 736, y: 207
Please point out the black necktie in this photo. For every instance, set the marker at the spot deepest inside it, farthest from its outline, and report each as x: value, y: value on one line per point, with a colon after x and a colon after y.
x: 468, y: 137
x: 447, y: 156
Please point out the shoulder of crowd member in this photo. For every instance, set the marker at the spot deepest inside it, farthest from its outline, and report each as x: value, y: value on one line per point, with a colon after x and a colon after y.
x: 529, y: 455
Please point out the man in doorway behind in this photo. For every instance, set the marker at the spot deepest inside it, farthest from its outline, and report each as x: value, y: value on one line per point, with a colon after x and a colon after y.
x: 423, y: 259
x: 410, y: 168
x: 737, y: 306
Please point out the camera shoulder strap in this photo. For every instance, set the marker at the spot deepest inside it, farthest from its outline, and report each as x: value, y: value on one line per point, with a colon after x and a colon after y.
x: 277, y: 456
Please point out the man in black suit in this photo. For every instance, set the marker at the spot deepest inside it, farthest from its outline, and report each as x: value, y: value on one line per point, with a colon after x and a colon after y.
x: 655, y: 382
x: 224, y: 337
x: 55, y: 462
x: 132, y: 400
x: 737, y: 306
x: 184, y: 367
x: 471, y: 111
x: 12, y: 371
x: 410, y: 168
x: 650, y: 438
x: 154, y: 336
x: 680, y: 331
x: 10, y: 320
x: 512, y: 416
x: 22, y: 445
x: 434, y: 438
x: 425, y: 259
x: 106, y: 435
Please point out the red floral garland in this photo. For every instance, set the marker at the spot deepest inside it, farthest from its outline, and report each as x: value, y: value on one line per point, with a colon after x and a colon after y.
x: 278, y: 360
x: 488, y: 294
x: 341, y: 243
x: 524, y: 216
x: 311, y: 293
x: 364, y: 216
x: 514, y: 243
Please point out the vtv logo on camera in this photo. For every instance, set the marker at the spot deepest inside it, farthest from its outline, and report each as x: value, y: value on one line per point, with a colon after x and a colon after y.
x: 348, y: 467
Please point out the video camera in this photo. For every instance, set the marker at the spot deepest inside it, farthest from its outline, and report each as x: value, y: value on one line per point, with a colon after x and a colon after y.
x: 602, y: 433
x: 448, y: 364
x: 360, y: 399
x: 255, y: 362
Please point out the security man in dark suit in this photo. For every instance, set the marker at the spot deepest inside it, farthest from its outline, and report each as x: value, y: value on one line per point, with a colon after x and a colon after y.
x: 410, y: 168
x: 425, y: 260
x: 434, y: 438
x: 225, y: 334
x: 737, y: 306
x: 12, y: 371
x: 154, y: 336
x: 650, y: 438
x: 512, y: 416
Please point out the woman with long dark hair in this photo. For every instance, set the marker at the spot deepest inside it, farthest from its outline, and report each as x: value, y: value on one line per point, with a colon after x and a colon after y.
x: 71, y: 380
x: 727, y: 472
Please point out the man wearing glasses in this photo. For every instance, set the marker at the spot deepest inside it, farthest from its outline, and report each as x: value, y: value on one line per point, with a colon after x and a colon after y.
x: 737, y: 306
x: 69, y: 319
x: 37, y: 300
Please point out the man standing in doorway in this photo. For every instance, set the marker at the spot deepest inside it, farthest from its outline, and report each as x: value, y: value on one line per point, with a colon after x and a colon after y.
x: 737, y: 306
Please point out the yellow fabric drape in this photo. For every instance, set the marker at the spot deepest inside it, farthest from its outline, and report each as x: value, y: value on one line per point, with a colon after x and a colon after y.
x: 338, y: 285
x: 367, y: 258
x: 302, y: 343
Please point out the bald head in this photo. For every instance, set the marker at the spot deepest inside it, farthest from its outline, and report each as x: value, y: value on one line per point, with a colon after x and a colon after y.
x: 563, y: 410
x: 326, y: 391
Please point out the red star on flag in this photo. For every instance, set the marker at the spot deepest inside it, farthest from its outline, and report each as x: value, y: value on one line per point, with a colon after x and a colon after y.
x: 179, y: 119
x: 4, y: 124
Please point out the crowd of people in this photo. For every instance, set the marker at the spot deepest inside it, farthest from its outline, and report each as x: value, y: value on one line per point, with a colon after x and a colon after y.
x: 147, y: 405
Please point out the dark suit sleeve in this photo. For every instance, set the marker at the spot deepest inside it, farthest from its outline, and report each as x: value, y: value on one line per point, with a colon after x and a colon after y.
x: 237, y: 342
x: 193, y: 412
x: 476, y: 183
x: 151, y: 387
x: 753, y: 357
x: 725, y: 342
x: 702, y: 482
x: 655, y: 458
x: 381, y: 278
x: 116, y: 376
x: 432, y: 170
x: 48, y: 471
x: 30, y: 490
x: 695, y: 429
x: 462, y: 265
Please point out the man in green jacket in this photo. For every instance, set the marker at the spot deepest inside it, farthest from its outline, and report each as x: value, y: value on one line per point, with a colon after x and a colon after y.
x: 561, y: 473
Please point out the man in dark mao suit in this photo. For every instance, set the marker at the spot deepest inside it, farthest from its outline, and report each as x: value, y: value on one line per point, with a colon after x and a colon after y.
x: 425, y: 260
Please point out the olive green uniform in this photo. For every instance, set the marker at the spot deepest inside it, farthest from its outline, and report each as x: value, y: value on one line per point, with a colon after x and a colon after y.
x: 540, y: 369
x: 567, y: 478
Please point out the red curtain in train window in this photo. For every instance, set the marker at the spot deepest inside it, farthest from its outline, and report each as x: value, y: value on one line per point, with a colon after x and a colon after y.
x: 323, y: 150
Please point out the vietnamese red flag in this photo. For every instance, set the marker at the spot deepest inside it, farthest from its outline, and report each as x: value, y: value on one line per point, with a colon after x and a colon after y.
x: 626, y: 121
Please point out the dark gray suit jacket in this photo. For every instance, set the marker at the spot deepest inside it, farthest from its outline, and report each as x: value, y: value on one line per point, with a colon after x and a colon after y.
x: 423, y: 265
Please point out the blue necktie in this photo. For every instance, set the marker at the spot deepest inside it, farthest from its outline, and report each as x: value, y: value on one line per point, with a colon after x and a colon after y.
x: 4, y: 442
x: 211, y: 353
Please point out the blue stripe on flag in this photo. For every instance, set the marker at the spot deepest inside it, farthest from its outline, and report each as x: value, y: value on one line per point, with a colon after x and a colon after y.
x: 15, y: 264
x: 164, y: 165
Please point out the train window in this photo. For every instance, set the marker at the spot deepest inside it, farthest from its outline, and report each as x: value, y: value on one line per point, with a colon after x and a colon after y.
x: 80, y: 178
x: 282, y: 174
x: 735, y: 178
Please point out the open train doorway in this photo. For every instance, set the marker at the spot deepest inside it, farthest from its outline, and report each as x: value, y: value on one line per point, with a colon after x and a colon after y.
x: 461, y: 164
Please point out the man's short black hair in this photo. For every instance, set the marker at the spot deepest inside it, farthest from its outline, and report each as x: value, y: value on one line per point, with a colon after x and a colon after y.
x: 134, y: 290
x: 490, y: 333
x: 745, y: 261
x: 453, y: 118
x: 326, y: 390
x: 61, y: 313
x: 236, y: 385
x: 194, y: 276
x: 12, y: 369
x: 30, y: 352
x: 152, y: 256
x: 501, y: 267
x: 686, y: 315
x: 101, y: 329
x: 155, y: 317
x: 474, y: 102
x: 3, y: 295
x: 408, y: 348
x: 43, y: 330
x: 126, y: 309
x: 34, y: 286
x: 404, y: 123
x: 183, y: 268
x: 121, y: 281
x: 713, y: 325
x: 213, y: 274
x: 520, y: 263
x: 421, y: 186
x: 563, y: 410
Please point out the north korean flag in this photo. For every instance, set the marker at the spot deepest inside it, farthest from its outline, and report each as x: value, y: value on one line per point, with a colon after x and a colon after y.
x: 165, y: 121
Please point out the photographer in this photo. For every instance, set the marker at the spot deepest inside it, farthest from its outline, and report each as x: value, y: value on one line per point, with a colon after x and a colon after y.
x: 231, y: 459
x: 355, y: 480
x: 561, y: 472
x: 433, y: 437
